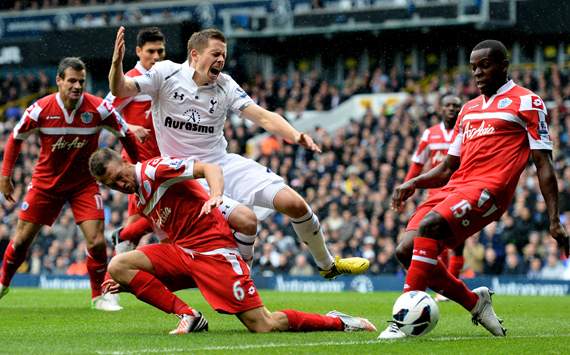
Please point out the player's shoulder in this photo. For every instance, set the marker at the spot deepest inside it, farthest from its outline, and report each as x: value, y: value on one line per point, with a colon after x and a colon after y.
x: 91, y: 99
x: 226, y: 80
x: 475, y: 104
x: 166, y: 67
x: 46, y: 100
x: 435, y: 129
x: 528, y: 100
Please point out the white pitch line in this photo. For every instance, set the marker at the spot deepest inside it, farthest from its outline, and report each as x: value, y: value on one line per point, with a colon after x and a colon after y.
x: 327, y: 343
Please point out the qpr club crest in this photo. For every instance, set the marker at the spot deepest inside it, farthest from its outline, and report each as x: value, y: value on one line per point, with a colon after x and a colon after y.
x: 504, y: 102
x: 86, y: 117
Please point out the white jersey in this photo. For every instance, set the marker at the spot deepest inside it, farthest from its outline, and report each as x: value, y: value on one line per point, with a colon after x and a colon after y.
x: 189, y: 119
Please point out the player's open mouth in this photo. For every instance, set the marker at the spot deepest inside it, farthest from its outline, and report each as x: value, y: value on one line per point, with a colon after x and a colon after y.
x: 215, y: 71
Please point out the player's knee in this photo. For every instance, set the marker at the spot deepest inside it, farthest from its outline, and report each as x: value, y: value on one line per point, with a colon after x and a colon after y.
x: 96, y: 241
x: 296, y: 207
x: 117, y: 265
x: 243, y: 220
x: 404, y: 253
x: 433, y: 226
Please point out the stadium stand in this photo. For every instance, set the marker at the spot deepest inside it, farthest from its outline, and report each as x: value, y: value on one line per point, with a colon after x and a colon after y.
x: 349, y: 185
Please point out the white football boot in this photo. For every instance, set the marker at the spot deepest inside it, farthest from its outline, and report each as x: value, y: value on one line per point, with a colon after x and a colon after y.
x: 392, y: 332
x: 107, y: 302
x: 484, y: 314
x: 190, y: 324
x: 351, y: 323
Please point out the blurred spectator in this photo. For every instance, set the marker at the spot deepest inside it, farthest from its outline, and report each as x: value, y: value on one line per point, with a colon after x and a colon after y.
x: 492, y: 266
x: 553, y: 268
x: 301, y: 267
x: 79, y: 266
x: 535, y: 268
x: 513, y: 265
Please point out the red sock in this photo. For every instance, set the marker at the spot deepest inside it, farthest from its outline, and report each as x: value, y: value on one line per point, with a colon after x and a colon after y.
x: 455, y: 265
x: 444, y: 283
x: 424, y: 259
x: 96, y: 267
x: 150, y: 290
x: 445, y: 257
x: 136, y: 230
x: 310, y: 322
x: 13, y: 258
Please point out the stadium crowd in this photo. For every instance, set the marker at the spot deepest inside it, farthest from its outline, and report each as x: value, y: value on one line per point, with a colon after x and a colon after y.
x: 349, y: 185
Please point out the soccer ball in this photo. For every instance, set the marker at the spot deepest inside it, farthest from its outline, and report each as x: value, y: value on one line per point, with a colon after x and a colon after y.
x: 415, y: 313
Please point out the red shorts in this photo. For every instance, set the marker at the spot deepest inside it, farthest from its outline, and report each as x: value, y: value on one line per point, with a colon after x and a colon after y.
x: 221, y: 275
x: 467, y: 212
x: 42, y: 207
x: 132, y: 205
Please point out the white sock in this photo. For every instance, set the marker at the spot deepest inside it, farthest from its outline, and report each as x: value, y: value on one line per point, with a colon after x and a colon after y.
x: 310, y: 232
x: 245, y: 246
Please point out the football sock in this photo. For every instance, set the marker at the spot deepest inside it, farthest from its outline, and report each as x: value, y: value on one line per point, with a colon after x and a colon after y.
x: 13, y: 258
x: 310, y: 232
x: 96, y: 267
x: 136, y: 230
x: 424, y: 260
x: 444, y: 283
x: 245, y: 245
x: 149, y: 289
x: 310, y: 322
x: 455, y: 265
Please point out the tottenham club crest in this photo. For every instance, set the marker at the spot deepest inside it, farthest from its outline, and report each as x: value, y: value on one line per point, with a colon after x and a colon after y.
x: 504, y: 103
x: 192, y: 115
x: 213, y: 102
x: 86, y: 117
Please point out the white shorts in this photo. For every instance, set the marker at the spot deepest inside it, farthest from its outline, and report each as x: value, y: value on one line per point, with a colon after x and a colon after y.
x: 243, y: 179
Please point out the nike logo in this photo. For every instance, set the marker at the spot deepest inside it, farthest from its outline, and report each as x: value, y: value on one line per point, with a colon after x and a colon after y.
x: 472, y: 107
x: 53, y: 117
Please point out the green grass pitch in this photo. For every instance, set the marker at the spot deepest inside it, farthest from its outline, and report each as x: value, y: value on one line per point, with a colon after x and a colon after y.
x: 34, y: 321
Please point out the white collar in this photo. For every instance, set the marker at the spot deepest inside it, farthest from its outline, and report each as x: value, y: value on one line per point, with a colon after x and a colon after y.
x: 446, y: 134
x: 186, y: 66
x: 68, y: 117
x: 503, y: 89
x: 139, y: 67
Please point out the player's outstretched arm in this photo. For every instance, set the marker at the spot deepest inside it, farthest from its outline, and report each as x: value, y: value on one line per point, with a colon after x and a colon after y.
x: 215, y: 178
x: 274, y: 123
x: 120, y: 85
x: 436, y: 177
x: 549, y: 188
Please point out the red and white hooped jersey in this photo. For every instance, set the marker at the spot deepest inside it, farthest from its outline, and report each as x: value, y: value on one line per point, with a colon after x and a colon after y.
x: 432, y: 149
x: 434, y: 145
x: 172, y: 200
x: 136, y: 110
x: 67, y: 138
x: 495, y: 137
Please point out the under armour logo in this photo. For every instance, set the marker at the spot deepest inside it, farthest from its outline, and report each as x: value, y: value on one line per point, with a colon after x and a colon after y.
x: 213, y: 103
x: 178, y: 96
